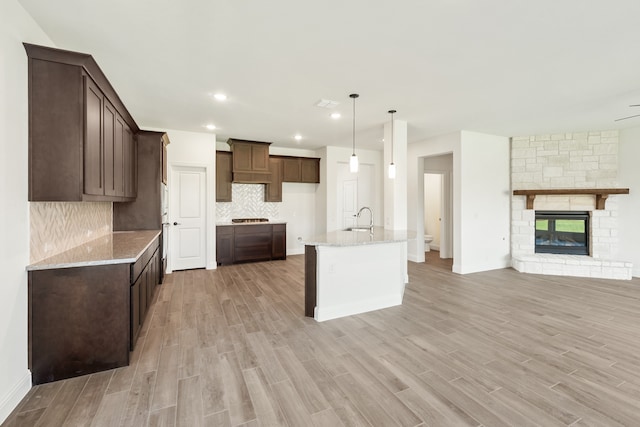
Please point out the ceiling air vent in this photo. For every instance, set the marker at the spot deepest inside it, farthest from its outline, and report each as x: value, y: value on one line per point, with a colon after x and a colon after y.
x: 326, y: 103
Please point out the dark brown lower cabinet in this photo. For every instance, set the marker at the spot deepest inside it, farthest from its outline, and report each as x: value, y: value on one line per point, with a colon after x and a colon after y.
x: 279, y: 242
x: 250, y: 243
x: 224, y: 244
x: 142, y: 292
x: 86, y: 319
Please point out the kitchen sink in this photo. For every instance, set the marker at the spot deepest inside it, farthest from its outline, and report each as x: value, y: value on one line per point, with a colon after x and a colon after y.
x: 358, y: 229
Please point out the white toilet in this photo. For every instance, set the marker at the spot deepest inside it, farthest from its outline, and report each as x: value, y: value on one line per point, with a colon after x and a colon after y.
x: 428, y: 238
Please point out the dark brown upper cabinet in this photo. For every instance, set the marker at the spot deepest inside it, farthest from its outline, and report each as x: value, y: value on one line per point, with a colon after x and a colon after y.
x: 224, y: 167
x: 300, y: 169
x: 81, y: 137
x: 163, y: 162
x: 145, y: 212
x: 273, y: 191
x: 250, y: 161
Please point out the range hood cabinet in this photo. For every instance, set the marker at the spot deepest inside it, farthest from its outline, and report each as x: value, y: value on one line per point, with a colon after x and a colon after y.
x: 250, y: 161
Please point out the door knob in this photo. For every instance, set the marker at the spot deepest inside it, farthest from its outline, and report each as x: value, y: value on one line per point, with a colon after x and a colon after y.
x: 176, y: 223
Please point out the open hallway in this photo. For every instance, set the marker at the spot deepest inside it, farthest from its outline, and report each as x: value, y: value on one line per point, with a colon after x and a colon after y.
x: 231, y: 347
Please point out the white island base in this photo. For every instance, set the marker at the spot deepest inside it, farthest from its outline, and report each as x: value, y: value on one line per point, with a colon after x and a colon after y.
x: 347, y: 279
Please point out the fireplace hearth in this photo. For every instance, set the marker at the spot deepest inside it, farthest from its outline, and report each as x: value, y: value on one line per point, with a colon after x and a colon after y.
x: 562, y: 232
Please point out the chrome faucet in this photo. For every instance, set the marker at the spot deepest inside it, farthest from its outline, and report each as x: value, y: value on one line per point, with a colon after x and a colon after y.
x: 370, y: 213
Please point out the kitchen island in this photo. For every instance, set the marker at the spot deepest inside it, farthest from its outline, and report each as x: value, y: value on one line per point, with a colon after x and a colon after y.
x: 351, y: 272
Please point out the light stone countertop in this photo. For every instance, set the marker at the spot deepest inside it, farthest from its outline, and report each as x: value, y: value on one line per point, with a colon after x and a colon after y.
x: 251, y: 223
x: 356, y: 238
x: 120, y: 247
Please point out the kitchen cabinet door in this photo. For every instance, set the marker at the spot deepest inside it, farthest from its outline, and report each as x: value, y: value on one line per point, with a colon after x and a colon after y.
x: 309, y: 170
x: 291, y: 169
x: 252, y: 243
x: 279, y: 242
x: 224, y: 244
x: 109, y: 142
x: 129, y: 162
x: 93, y: 139
x: 260, y: 157
x: 118, y: 167
x: 163, y: 161
x: 135, y: 313
x: 224, y: 166
x: 273, y: 191
x: 143, y: 295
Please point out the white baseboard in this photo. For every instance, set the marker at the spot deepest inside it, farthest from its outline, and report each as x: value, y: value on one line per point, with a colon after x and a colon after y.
x: 11, y: 400
x: 467, y: 269
x: 296, y: 251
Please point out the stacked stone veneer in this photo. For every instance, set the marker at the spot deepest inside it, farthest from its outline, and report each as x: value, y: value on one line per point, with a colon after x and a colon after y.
x: 571, y: 160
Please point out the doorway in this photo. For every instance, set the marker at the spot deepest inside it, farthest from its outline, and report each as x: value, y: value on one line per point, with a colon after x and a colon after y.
x: 188, y: 213
x: 438, y: 203
x: 432, y: 210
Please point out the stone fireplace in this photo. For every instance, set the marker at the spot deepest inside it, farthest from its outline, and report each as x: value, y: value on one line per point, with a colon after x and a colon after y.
x: 567, y: 161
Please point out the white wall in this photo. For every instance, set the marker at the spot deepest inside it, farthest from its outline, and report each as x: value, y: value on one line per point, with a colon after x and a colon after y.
x: 298, y: 205
x: 481, y: 201
x: 327, y: 195
x: 629, y: 205
x: 16, y: 26
x: 485, y: 203
x: 196, y: 149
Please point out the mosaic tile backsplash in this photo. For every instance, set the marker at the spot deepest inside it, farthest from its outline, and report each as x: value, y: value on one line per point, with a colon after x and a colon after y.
x: 59, y: 226
x: 248, y: 202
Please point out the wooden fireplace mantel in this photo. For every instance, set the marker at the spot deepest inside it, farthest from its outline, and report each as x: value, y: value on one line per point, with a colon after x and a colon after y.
x: 600, y: 193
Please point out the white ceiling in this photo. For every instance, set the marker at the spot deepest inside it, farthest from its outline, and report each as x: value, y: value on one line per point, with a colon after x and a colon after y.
x: 505, y: 67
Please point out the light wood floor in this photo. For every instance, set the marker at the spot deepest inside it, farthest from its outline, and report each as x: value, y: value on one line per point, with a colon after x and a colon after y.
x: 231, y: 347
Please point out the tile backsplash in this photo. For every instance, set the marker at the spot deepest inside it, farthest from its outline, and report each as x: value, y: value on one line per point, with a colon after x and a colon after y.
x: 59, y: 226
x: 248, y: 202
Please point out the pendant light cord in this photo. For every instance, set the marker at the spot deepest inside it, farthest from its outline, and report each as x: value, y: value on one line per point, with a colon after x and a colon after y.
x: 354, y: 96
x: 392, y: 112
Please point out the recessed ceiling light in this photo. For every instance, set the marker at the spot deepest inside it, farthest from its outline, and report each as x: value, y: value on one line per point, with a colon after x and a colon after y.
x: 298, y: 137
x: 220, y: 96
x: 210, y: 126
x: 335, y: 116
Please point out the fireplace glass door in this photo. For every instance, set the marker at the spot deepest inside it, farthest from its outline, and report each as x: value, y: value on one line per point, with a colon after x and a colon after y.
x: 562, y: 232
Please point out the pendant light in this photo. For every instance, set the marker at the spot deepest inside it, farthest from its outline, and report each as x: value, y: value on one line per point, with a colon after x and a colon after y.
x: 353, y: 161
x: 392, y: 166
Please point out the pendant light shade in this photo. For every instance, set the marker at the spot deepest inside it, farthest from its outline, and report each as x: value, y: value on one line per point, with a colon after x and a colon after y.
x: 392, y: 171
x: 353, y: 164
x: 353, y: 161
x: 392, y: 166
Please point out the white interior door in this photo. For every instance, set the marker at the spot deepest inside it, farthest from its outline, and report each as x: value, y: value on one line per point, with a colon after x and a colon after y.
x: 349, y: 202
x: 188, y: 217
